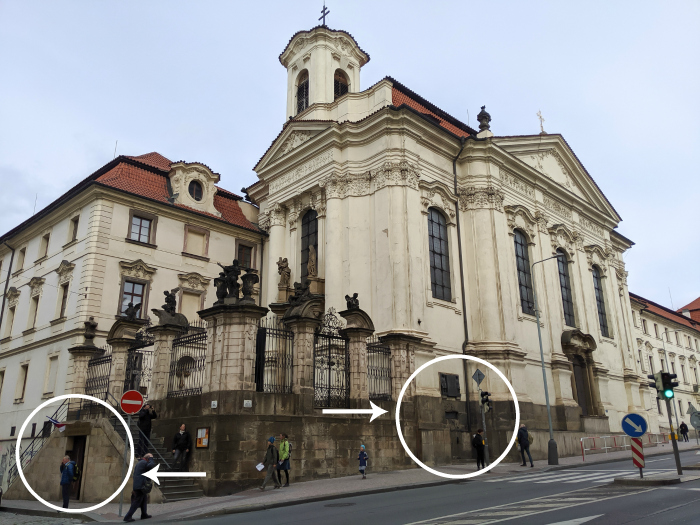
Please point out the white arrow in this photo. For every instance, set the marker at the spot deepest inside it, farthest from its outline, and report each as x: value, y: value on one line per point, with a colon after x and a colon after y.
x: 577, y: 521
x: 637, y: 428
x: 154, y: 474
x: 375, y: 411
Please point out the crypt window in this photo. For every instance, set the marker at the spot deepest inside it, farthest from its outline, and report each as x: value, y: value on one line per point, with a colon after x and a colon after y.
x: 309, y: 237
x: 340, y: 84
x: 600, y: 302
x: 449, y: 385
x: 565, y: 285
x: 140, y: 229
x: 439, y: 256
x: 196, y: 191
x: 302, y: 91
x: 134, y: 293
x: 522, y: 262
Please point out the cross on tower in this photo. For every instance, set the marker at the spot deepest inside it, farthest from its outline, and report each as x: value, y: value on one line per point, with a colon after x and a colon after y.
x: 324, y: 12
x: 539, y: 114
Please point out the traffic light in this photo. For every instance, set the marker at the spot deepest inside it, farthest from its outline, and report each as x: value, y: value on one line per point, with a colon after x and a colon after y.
x: 657, y: 384
x: 668, y: 384
x: 485, y: 401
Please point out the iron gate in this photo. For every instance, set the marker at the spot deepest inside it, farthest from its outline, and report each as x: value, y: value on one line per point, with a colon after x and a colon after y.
x: 98, y: 370
x: 273, y: 356
x: 378, y: 369
x: 139, y: 362
x: 331, y: 364
x: 187, y: 363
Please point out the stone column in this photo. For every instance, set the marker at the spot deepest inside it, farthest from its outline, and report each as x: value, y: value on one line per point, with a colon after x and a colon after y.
x: 80, y: 357
x: 120, y: 337
x: 162, y: 349
x: 275, y: 248
x: 231, y: 333
x: 403, y: 361
x: 333, y: 253
x: 359, y: 328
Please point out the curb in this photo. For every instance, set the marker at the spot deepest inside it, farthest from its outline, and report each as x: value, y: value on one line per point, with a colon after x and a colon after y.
x: 649, y: 482
x: 48, y: 514
x: 605, y: 461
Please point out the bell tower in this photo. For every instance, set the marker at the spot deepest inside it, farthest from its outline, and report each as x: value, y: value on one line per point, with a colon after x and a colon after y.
x: 322, y: 65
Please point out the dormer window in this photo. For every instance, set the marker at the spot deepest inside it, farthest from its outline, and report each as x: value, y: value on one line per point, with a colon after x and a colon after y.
x: 340, y: 84
x: 303, y: 91
x: 195, y: 189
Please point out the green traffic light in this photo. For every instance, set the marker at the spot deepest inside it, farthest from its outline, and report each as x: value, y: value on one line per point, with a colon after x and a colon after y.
x: 668, y: 393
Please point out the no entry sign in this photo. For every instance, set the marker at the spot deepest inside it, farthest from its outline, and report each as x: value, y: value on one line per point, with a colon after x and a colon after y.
x: 131, y: 401
x: 637, y: 453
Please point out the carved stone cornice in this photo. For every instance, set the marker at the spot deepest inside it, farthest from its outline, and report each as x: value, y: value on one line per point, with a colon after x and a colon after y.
x: 596, y: 256
x: 275, y: 214
x: 557, y: 207
x: 401, y: 173
x: 64, y: 271
x: 138, y: 269
x: 264, y: 221
x: 295, y: 139
x: 13, y: 296
x: 480, y: 197
x: 193, y: 281
x: 519, y: 217
x: 562, y: 237
x: 341, y: 185
x: 433, y: 195
x: 35, y: 285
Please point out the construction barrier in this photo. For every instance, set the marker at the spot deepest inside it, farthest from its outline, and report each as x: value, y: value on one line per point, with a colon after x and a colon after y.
x: 619, y: 442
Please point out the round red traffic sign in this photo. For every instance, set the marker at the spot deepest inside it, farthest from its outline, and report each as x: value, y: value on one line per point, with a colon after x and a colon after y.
x: 131, y: 401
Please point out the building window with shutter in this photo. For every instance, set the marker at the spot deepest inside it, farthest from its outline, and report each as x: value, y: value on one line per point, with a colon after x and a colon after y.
x: 302, y: 91
x: 600, y: 302
x: 340, y: 84
x: 449, y: 385
x: 134, y: 293
x: 522, y: 261
x: 439, y: 255
x: 140, y: 229
x: 245, y: 256
x: 567, y: 298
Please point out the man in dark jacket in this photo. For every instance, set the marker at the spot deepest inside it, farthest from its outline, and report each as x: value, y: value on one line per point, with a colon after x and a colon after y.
x: 524, y: 442
x: 67, y: 473
x: 684, y: 431
x: 145, y: 416
x: 479, y: 444
x: 182, y: 444
x: 270, y: 463
x: 139, y: 497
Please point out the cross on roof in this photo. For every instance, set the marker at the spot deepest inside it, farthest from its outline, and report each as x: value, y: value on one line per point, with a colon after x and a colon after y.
x: 324, y: 12
x: 539, y: 115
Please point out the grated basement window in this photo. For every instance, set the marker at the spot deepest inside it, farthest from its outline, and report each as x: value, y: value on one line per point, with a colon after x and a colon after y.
x: 449, y: 385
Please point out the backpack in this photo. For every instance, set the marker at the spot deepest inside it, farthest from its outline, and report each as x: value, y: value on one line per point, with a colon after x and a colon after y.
x: 530, y: 439
x: 76, y: 473
x: 290, y: 449
x: 147, y: 485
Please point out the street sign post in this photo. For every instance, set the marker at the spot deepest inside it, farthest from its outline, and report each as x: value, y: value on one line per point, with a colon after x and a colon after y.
x: 634, y: 425
x: 478, y: 376
x: 695, y: 423
x: 638, y: 455
x: 130, y: 403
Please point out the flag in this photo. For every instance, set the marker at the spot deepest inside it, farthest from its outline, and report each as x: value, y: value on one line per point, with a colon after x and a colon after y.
x: 60, y: 426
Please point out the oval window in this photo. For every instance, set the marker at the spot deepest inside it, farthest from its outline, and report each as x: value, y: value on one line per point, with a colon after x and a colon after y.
x: 196, y: 190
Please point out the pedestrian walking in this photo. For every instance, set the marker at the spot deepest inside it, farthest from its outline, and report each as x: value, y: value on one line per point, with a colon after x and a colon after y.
x: 67, y: 472
x: 270, y: 462
x: 142, y: 486
x: 146, y: 414
x: 283, y: 463
x: 362, y: 457
x: 684, y: 431
x: 182, y: 444
x: 524, y: 440
x: 479, y: 444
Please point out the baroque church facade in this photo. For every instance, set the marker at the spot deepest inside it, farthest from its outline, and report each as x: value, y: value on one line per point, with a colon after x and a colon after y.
x: 436, y: 225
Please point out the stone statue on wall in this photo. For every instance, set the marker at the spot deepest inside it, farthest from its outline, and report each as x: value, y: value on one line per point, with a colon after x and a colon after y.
x: 170, y: 305
x: 301, y: 293
x: 311, y: 266
x: 132, y: 311
x: 353, y: 303
x: 250, y: 279
x: 285, y: 271
x: 90, y: 332
x: 168, y: 315
x: 231, y: 274
x: 221, y: 288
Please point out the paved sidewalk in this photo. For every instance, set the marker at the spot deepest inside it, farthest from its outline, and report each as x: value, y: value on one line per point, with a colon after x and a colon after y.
x: 318, y: 490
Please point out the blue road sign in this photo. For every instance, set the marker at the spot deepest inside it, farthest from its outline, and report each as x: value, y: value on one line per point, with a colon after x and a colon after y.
x: 634, y: 425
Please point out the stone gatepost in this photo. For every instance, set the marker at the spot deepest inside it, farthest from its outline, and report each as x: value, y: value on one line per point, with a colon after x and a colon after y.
x: 403, y: 361
x: 164, y: 335
x: 120, y: 337
x: 80, y: 357
x: 231, y: 332
x: 303, y: 318
x: 359, y: 328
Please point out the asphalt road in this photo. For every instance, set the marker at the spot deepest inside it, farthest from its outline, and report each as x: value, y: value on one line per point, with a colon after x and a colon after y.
x: 570, y: 496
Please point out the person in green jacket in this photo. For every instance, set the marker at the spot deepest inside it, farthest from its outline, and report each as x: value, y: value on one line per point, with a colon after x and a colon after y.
x: 283, y: 464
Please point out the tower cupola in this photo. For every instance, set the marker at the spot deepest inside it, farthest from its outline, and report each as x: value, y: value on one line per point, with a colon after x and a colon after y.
x: 322, y: 65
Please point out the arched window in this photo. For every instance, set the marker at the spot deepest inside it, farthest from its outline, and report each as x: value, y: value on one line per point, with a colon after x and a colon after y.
x: 567, y: 298
x: 439, y: 255
x: 309, y: 237
x: 302, y: 91
x: 340, y: 83
x: 522, y: 261
x: 600, y: 302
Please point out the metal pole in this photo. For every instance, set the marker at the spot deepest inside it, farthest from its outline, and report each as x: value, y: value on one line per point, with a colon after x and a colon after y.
x: 673, y: 439
x: 668, y: 369
x: 126, y: 451
x: 641, y: 476
x: 696, y: 436
x: 486, y: 442
x: 552, y: 452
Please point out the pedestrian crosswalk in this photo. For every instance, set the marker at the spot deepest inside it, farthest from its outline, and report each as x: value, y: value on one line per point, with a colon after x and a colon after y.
x: 575, y: 476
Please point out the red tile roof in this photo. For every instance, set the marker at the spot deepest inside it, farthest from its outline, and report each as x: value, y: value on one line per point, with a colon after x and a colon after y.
x: 667, y: 313
x: 694, y: 308
x: 154, y: 159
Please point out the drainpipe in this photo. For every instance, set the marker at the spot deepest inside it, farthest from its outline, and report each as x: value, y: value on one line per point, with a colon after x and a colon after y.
x: 7, y: 282
x: 461, y: 281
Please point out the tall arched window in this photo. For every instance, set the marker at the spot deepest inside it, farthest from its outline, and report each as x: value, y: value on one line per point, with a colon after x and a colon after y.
x: 302, y: 91
x: 567, y: 298
x: 522, y: 261
x: 439, y: 255
x: 340, y: 84
x: 600, y: 302
x: 309, y: 237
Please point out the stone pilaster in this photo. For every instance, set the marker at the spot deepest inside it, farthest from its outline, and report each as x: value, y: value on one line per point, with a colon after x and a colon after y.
x: 403, y: 361
x: 162, y: 350
x: 80, y: 357
x: 359, y: 328
x: 231, y: 332
x: 303, y: 360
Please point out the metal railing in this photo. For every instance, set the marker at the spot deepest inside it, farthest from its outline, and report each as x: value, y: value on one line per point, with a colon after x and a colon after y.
x: 188, y: 363
x: 378, y: 369
x: 274, y: 345
x: 617, y: 442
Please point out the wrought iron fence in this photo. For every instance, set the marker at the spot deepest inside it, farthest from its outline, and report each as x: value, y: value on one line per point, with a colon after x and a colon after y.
x: 98, y: 370
x: 187, y: 363
x: 331, y: 364
x: 273, y: 356
x: 378, y: 369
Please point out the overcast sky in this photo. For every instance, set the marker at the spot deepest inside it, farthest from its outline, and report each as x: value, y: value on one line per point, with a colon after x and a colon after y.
x: 201, y: 81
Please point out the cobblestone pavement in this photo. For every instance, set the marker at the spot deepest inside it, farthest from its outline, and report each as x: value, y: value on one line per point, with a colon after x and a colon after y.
x: 7, y: 518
